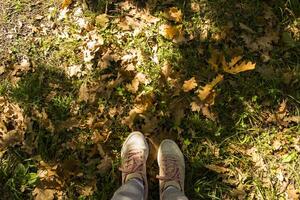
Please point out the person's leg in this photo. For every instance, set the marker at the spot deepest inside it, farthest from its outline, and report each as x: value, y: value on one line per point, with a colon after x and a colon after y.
x: 134, y: 155
x: 171, y: 171
x: 131, y: 190
x: 173, y: 193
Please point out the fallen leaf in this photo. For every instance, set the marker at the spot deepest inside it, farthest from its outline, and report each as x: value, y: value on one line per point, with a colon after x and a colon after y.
x: 207, y: 89
x: 147, y: 17
x: 168, y: 31
x: 102, y: 21
x: 134, y: 86
x: 105, y: 165
x: 208, y: 113
x: 246, y: 28
x: 73, y: 70
x: 2, y: 70
x: 13, y: 124
x: 66, y: 3
x: 237, y: 68
x: 218, y: 169
x: 173, y: 14
x: 195, y: 7
x: 295, y: 119
x: 292, y: 192
x: 43, y: 194
x: 195, y: 107
x: 83, y: 93
x: 189, y: 85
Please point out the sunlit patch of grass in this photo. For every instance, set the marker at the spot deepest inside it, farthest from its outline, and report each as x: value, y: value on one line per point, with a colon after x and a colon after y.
x: 17, y: 175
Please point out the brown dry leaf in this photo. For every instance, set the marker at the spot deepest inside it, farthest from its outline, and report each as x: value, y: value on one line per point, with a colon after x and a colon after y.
x: 2, y: 70
x: 195, y: 7
x: 150, y: 124
x: 105, y: 165
x: 66, y: 3
x: 166, y: 69
x: 43, y: 194
x: 292, y: 193
x: 168, y: 31
x: 173, y: 14
x: 86, y: 190
x: 295, y: 119
x: 83, y: 93
x: 195, y: 107
x: 282, y: 110
x: 218, y: 169
x: 237, y: 68
x: 13, y: 124
x: 207, y: 89
x: 128, y: 23
x: 180, y: 36
x: 134, y: 86
x: 129, y: 120
x: 104, y: 62
x: 189, y: 84
x: 208, y: 113
x: 147, y: 17
x: 143, y: 102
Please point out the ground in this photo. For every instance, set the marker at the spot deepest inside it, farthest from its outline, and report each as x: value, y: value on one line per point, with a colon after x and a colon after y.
x: 221, y: 78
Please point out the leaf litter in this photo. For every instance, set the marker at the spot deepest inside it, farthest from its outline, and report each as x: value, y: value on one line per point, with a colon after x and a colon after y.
x: 124, y: 94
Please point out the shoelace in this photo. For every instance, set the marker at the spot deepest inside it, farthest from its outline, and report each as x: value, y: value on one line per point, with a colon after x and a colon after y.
x: 133, y: 163
x: 170, y: 169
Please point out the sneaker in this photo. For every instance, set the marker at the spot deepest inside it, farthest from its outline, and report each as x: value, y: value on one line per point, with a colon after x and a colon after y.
x: 171, y: 166
x: 134, y: 155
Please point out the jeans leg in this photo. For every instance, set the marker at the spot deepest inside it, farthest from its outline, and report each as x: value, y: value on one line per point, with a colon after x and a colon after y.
x: 131, y: 190
x: 172, y: 193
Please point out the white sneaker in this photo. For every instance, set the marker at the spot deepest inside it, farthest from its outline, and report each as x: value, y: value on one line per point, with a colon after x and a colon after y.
x: 171, y: 166
x: 134, y: 156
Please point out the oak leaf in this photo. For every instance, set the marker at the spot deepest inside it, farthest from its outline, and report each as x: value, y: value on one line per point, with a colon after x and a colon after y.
x: 207, y: 89
x: 173, y: 14
x: 195, y: 107
x: 43, y: 194
x: 234, y: 68
x: 189, y: 85
x: 168, y: 31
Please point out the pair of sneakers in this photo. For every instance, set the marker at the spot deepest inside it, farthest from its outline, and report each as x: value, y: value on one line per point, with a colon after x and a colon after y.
x: 134, y: 154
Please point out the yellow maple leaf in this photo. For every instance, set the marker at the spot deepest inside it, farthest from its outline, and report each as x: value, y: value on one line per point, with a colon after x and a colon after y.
x: 173, y: 14
x: 168, y: 31
x: 207, y: 89
x: 189, y: 85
